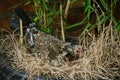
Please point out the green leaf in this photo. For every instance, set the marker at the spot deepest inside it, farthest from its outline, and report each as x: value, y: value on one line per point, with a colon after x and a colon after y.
x: 36, y: 19
x: 39, y: 13
x: 85, y: 29
x: 45, y: 5
x: 87, y: 6
x: 73, y: 1
x: 36, y: 2
x: 27, y: 3
x: 46, y: 30
x: 77, y: 24
x: 117, y: 26
x: 74, y: 25
x: 88, y: 9
x: 115, y: 22
x: 104, y: 5
x: 113, y: 4
x: 104, y: 19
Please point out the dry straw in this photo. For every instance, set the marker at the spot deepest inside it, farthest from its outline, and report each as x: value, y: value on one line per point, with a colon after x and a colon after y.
x: 100, y: 59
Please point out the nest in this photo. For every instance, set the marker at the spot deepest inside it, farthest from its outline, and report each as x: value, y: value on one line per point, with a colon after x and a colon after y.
x: 54, y: 58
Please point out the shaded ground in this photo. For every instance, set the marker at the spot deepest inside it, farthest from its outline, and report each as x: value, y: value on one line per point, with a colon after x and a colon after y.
x: 1, y: 77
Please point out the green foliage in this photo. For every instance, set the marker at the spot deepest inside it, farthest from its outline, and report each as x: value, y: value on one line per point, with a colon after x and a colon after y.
x: 118, y: 26
x: 88, y: 8
x: 101, y: 9
x: 45, y: 14
x: 105, y: 5
x: 85, y: 29
x: 74, y: 25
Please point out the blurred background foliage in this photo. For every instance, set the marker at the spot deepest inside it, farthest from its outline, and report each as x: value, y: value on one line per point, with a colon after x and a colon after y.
x: 95, y: 14
x: 73, y: 17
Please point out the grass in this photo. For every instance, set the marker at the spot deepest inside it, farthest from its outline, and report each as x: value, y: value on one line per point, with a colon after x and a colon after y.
x: 100, y: 58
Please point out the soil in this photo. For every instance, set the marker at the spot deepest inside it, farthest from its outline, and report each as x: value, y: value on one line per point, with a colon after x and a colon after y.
x: 1, y: 77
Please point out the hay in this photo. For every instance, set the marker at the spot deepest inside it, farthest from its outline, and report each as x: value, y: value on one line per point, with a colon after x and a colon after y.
x: 99, y: 59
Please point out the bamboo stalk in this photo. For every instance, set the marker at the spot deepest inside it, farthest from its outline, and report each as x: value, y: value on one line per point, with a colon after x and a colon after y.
x: 67, y: 8
x: 21, y: 32
x: 44, y: 17
x: 62, y: 23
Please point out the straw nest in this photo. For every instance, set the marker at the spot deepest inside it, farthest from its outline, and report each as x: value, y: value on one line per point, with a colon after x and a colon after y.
x: 98, y: 57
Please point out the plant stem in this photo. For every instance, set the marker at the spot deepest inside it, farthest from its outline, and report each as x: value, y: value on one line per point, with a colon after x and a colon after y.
x: 44, y: 16
x: 21, y: 32
x: 62, y: 23
x: 67, y: 8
